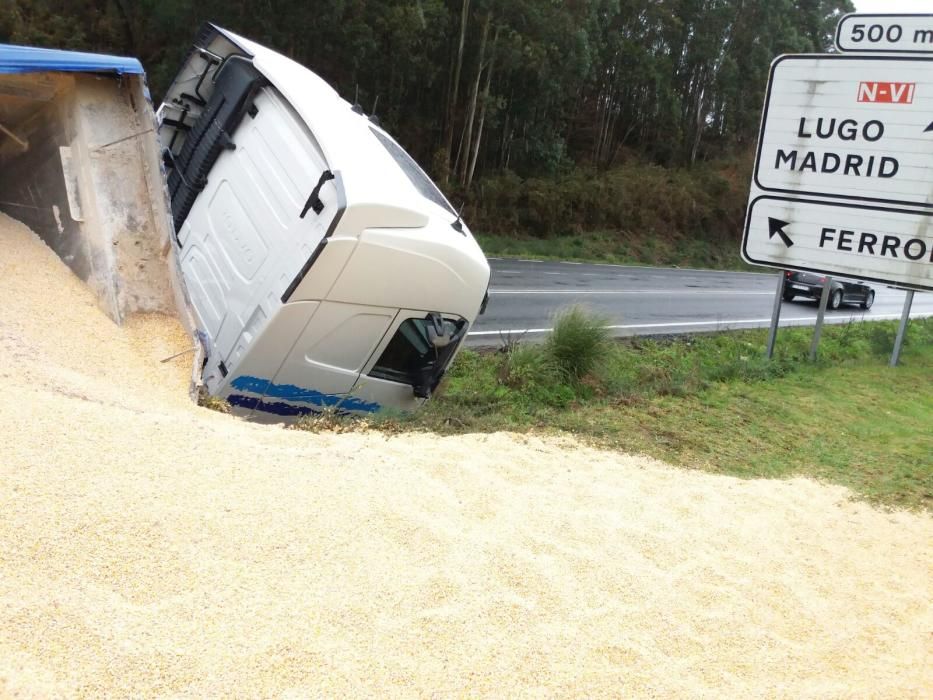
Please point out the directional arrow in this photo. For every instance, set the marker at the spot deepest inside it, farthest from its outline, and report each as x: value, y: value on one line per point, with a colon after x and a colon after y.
x: 929, y: 128
x: 776, y: 226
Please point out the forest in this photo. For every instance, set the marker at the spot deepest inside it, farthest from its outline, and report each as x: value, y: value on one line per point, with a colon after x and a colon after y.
x: 632, y: 118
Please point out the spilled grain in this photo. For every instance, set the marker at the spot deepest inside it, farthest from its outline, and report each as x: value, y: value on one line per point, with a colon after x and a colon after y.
x: 150, y: 547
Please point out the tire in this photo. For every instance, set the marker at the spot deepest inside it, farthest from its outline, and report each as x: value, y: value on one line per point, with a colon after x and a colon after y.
x: 835, y: 299
x: 869, y: 300
x: 789, y: 297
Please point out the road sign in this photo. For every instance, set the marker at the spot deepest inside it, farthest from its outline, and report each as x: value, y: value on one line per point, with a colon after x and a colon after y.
x: 850, y: 127
x: 879, y: 243
x: 885, y: 33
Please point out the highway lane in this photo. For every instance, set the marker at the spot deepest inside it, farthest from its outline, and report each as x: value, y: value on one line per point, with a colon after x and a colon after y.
x: 524, y: 295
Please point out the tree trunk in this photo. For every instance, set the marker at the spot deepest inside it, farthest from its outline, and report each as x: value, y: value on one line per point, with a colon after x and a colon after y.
x: 455, y: 88
x: 471, y: 114
x: 505, y: 145
x: 132, y: 46
x: 611, y: 140
x: 699, y: 129
x: 600, y: 121
x: 482, y: 110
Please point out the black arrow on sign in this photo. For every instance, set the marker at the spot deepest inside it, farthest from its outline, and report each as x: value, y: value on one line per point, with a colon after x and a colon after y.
x: 929, y: 128
x: 776, y: 226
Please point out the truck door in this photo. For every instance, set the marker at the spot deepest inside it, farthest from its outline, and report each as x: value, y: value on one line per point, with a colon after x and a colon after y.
x: 249, y: 233
x: 321, y: 369
x: 411, y: 359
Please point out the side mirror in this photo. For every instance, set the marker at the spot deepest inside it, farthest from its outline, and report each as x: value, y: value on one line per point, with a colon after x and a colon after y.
x: 438, y: 333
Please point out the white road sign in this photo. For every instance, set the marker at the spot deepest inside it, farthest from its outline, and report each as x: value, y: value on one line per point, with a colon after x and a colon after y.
x: 878, y: 243
x: 850, y: 127
x: 885, y: 33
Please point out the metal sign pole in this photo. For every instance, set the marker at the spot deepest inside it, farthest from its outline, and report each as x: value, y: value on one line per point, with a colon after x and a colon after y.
x: 818, y: 331
x: 902, y: 329
x: 775, y: 316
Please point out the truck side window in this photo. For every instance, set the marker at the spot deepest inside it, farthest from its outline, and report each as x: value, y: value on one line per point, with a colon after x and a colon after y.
x: 410, y: 358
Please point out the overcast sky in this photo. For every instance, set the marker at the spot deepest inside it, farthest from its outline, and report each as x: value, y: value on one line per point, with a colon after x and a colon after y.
x: 893, y: 5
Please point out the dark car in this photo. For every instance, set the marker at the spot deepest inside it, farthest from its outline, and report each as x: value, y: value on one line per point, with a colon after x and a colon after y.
x: 806, y: 284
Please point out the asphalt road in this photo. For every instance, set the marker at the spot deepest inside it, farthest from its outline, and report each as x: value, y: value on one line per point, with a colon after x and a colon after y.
x: 525, y: 294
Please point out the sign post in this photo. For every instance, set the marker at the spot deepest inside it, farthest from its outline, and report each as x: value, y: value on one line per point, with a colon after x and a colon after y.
x: 775, y: 316
x: 818, y: 329
x: 902, y: 328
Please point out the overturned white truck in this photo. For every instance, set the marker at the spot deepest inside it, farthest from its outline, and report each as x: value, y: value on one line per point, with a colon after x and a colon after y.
x: 317, y: 265
x: 324, y: 267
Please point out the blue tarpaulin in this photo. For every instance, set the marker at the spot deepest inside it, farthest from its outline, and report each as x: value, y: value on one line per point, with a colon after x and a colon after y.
x: 27, y: 59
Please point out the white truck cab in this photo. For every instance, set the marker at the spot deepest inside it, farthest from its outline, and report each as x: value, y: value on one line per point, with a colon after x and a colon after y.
x: 324, y: 268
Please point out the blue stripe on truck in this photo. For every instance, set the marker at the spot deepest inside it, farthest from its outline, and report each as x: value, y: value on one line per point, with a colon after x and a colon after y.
x: 279, y: 408
x: 264, y: 389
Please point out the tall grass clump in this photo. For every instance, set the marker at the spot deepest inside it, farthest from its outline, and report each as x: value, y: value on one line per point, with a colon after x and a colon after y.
x: 579, y: 343
x: 534, y: 378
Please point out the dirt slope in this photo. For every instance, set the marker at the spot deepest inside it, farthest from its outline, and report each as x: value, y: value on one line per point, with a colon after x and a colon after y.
x: 149, y: 547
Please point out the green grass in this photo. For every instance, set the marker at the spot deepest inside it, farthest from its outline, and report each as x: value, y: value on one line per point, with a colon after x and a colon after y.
x: 863, y: 425
x: 598, y: 247
x: 713, y: 402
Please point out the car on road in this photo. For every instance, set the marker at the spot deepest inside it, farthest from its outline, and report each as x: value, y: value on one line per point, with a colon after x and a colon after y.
x: 809, y: 285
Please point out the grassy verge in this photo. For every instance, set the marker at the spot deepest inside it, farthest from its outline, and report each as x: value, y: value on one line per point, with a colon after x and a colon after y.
x: 712, y: 402
x: 600, y: 247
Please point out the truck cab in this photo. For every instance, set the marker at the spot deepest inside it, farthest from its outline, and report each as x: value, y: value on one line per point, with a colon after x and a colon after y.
x: 324, y: 268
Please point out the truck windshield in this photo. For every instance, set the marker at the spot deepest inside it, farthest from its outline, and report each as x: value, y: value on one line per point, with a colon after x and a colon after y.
x: 413, y: 171
x: 411, y: 358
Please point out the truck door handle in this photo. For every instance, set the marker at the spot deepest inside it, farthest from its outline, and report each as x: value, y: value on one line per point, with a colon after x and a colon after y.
x: 314, y: 199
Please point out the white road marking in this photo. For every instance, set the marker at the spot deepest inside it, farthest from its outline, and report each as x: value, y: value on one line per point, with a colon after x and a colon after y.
x: 630, y: 291
x: 771, y: 273
x: 684, y: 324
x: 552, y: 273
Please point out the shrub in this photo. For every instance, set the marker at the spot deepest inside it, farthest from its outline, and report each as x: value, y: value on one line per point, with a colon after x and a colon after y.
x: 683, y: 206
x: 534, y: 378
x: 881, y: 339
x: 526, y: 365
x: 579, y: 343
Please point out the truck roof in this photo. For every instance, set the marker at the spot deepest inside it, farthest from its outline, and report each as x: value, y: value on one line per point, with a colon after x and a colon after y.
x: 349, y: 138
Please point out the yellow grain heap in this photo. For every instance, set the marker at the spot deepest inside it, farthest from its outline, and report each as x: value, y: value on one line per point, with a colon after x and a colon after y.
x: 152, y: 548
